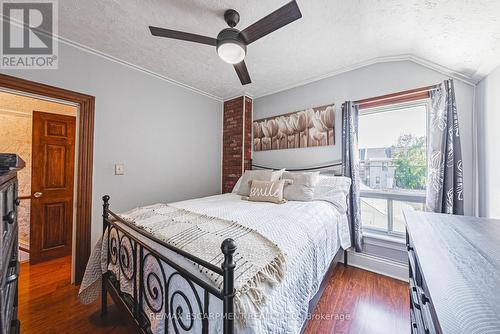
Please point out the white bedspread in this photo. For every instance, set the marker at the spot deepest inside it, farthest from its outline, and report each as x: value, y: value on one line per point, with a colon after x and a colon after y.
x: 314, y: 232
x: 308, y: 233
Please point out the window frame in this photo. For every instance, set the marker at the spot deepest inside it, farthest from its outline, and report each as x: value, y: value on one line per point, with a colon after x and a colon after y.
x: 391, y: 196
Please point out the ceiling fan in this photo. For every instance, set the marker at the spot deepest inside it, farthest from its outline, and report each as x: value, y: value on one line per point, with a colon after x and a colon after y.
x: 231, y: 43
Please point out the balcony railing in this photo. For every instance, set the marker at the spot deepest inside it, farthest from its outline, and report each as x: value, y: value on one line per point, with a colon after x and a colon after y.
x: 382, y: 211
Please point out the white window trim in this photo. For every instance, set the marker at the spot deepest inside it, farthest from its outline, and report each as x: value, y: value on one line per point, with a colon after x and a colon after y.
x: 388, y: 195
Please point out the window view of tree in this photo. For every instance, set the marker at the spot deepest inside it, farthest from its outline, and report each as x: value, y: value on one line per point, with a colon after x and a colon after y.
x: 410, y: 162
x: 392, y: 149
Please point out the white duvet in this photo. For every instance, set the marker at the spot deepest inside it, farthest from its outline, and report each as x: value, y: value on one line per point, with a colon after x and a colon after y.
x: 308, y: 233
x: 314, y: 232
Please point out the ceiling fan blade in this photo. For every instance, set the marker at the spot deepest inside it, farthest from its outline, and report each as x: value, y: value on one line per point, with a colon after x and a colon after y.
x: 241, y: 70
x: 277, y: 19
x: 185, y: 36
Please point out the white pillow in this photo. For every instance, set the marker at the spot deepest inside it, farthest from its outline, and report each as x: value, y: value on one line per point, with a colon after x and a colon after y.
x: 302, y: 186
x: 277, y: 174
x: 237, y: 185
x: 259, y: 175
x: 333, y: 189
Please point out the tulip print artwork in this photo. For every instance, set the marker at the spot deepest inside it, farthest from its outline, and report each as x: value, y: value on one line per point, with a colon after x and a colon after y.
x: 306, y: 128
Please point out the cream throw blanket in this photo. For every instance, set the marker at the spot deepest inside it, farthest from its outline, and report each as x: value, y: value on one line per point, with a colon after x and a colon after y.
x: 258, y: 260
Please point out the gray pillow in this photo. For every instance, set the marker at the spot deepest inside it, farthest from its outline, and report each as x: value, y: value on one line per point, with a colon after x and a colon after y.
x: 259, y: 175
x: 302, y: 187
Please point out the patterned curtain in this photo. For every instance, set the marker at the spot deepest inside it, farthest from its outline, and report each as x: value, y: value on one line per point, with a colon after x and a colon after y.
x: 445, y: 173
x: 350, y: 165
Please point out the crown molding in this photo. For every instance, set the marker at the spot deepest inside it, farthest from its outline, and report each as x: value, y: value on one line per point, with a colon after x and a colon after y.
x: 137, y: 67
x: 407, y: 57
x: 442, y: 69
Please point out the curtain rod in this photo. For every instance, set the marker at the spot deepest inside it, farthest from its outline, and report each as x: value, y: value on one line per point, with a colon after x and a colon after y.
x: 396, y: 95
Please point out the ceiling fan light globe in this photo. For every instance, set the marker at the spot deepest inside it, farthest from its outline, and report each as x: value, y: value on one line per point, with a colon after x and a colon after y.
x: 231, y: 52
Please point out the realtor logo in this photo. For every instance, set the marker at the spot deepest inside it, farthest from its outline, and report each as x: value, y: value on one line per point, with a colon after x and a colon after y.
x: 28, y: 30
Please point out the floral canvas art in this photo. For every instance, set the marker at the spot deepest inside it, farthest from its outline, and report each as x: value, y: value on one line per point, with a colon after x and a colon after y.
x: 306, y: 128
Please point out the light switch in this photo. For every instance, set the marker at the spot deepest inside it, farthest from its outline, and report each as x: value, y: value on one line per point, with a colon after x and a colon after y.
x: 119, y: 169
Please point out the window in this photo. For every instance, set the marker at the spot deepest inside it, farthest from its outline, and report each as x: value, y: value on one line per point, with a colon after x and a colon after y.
x: 393, y: 164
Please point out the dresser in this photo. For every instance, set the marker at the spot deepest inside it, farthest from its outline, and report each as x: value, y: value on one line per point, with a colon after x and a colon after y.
x: 454, y: 273
x: 9, y: 264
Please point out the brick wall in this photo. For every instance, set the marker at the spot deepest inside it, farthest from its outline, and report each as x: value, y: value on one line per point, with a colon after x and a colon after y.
x: 236, y: 140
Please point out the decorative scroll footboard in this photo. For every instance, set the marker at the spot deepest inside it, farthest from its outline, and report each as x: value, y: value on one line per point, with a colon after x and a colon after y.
x: 146, y: 285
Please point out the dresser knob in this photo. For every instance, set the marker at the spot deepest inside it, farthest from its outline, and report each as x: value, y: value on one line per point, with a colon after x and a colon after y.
x: 9, y: 218
x: 11, y: 279
x: 425, y: 300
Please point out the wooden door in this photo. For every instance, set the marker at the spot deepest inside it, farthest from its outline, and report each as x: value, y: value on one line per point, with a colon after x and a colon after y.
x: 53, y: 161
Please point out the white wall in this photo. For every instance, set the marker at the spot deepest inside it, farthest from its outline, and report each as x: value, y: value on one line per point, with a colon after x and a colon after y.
x: 488, y: 111
x: 168, y: 137
x: 369, y: 81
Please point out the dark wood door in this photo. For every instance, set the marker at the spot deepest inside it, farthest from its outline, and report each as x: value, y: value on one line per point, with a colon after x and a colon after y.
x: 52, y: 183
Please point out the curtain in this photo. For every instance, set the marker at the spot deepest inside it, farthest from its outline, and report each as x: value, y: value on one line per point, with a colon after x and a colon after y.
x: 350, y: 166
x: 444, y: 171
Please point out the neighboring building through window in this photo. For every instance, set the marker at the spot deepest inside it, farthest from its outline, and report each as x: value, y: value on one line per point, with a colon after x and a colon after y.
x: 393, y: 164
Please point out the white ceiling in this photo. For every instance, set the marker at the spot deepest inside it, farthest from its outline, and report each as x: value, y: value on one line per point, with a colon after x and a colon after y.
x: 461, y: 35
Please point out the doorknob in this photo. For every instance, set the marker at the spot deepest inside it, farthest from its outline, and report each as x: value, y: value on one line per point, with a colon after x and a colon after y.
x: 37, y: 194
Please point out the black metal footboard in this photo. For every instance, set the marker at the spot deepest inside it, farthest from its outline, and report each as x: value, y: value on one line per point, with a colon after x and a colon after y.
x: 145, y: 283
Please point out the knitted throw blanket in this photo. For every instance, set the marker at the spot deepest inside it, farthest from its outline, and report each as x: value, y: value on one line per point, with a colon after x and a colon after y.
x: 258, y: 260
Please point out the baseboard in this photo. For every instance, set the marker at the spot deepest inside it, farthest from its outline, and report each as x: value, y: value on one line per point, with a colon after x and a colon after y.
x: 24, y: 251
x: 23, y: 256
x: 378, y: 265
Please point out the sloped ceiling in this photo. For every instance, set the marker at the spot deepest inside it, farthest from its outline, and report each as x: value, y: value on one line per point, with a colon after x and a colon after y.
x: 461, y: 35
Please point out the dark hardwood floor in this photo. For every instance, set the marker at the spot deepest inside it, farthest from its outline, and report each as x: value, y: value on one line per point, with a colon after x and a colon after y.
x: 355, y: 301
x: 48, y: 303
x: 358, y: 301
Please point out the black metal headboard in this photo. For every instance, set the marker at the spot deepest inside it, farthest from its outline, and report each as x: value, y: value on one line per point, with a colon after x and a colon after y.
x: 328, y: 168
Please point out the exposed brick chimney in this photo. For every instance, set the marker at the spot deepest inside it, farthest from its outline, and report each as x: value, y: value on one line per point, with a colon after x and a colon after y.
x: 236, y: 140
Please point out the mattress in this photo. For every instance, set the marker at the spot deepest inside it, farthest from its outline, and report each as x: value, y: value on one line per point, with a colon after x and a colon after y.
x: 308, y: 233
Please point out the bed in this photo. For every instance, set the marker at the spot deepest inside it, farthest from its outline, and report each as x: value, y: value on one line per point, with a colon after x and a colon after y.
x: 163, y: 289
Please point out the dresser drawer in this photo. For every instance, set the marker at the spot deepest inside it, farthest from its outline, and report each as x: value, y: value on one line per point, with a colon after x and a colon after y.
x: 9, y: 265
x: 8, y: 257
x: 8, y: 295
x: 7, y: 315
x: 426, y: 311
x: 8, y: 211
x: 418, y: 320
x: 422, y: 320
x: 417, y: 327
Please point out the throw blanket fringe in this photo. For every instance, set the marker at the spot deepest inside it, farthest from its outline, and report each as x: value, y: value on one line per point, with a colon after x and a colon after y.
x: 273, y: 273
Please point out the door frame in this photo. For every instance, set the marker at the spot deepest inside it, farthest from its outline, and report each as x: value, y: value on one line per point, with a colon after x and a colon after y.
x: 86, y: 109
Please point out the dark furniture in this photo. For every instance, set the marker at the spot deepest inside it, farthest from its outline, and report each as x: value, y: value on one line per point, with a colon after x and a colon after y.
x: 9, y: 265
x: 454, y: 273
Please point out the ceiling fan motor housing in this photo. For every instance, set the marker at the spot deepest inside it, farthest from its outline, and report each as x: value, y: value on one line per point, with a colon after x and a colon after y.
x: 231, y: 35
